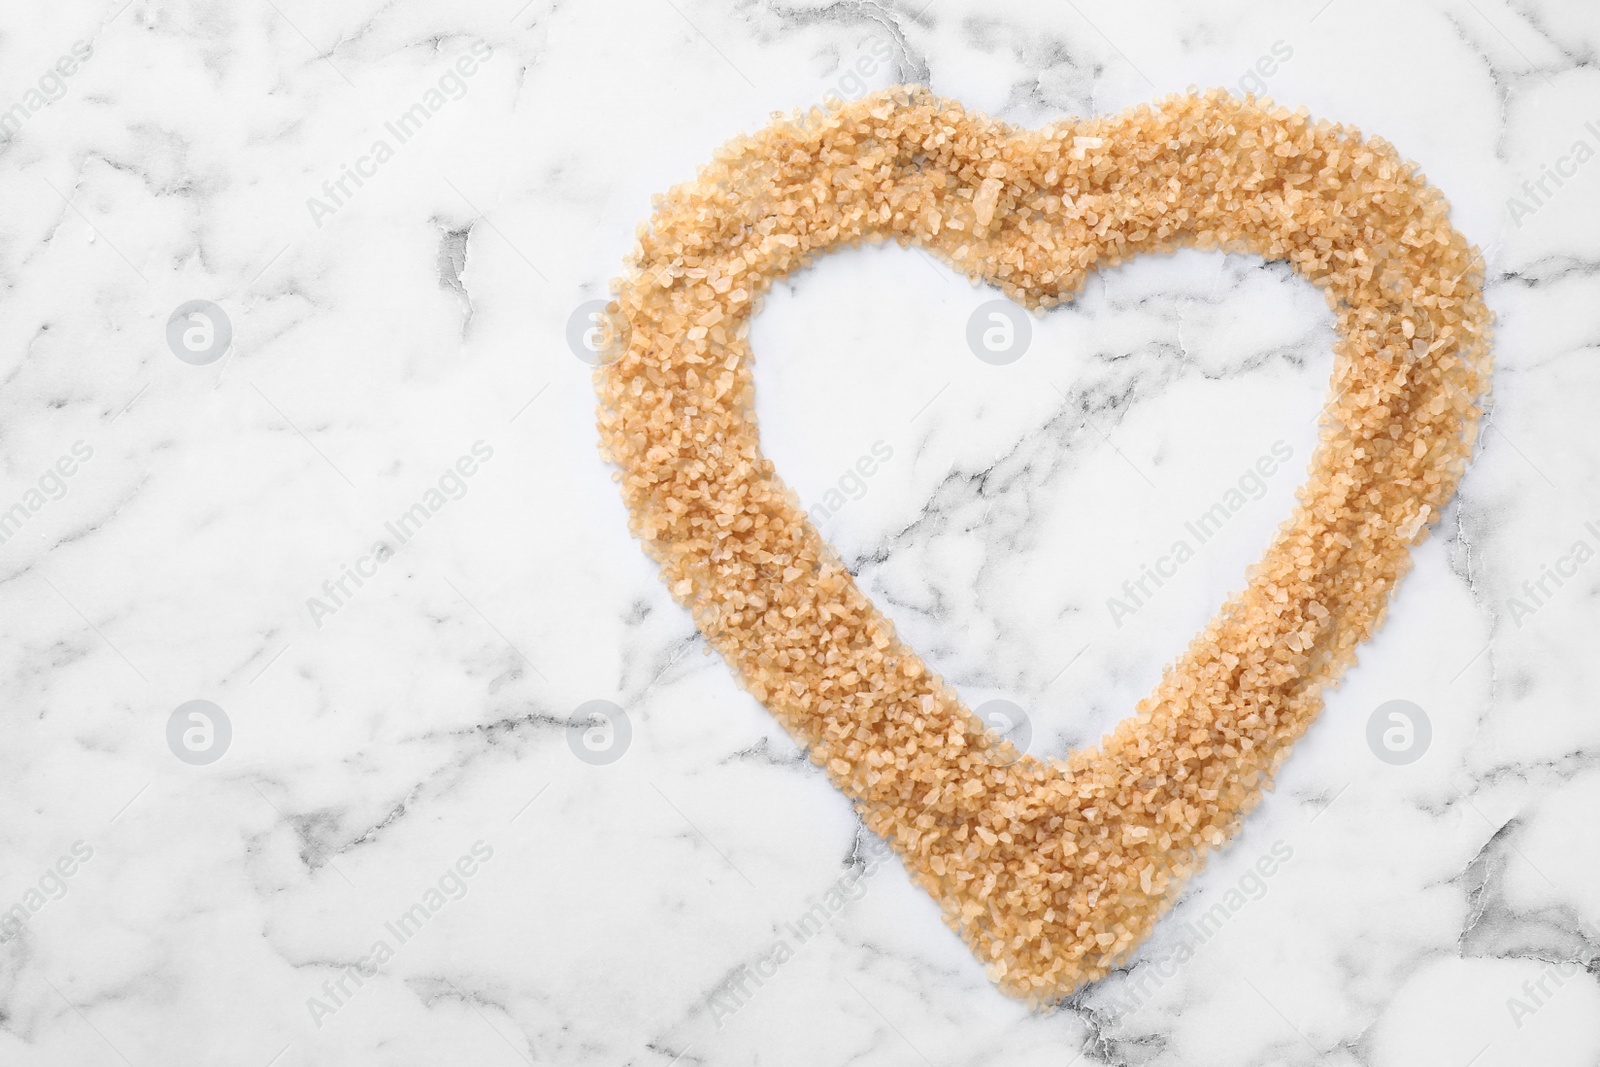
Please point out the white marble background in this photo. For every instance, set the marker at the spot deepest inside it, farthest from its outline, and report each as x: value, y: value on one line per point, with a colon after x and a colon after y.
x: 1430, y: 913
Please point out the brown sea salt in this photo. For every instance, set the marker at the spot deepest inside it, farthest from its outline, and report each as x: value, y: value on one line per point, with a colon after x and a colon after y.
x: 1052, y: 871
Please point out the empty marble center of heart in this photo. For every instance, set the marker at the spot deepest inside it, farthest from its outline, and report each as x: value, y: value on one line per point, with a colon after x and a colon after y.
x: 1052, y: 871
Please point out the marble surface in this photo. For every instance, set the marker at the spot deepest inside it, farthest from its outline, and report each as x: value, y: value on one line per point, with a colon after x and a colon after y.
x: 370, y: 529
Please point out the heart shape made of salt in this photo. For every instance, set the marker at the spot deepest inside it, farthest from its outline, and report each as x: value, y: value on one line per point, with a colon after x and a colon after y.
x: 1052, y: 871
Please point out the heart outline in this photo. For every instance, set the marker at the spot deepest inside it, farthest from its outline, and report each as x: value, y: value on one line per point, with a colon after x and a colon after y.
x: 1172, y: 782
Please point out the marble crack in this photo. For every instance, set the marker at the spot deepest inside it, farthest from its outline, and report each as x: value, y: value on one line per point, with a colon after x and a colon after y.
x: 913, y: 65
x: 452, y: 261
